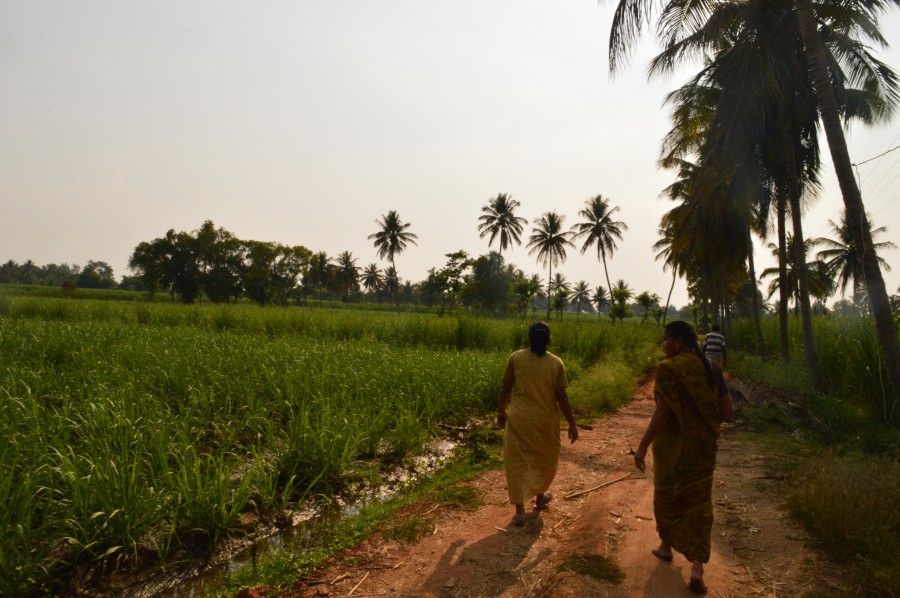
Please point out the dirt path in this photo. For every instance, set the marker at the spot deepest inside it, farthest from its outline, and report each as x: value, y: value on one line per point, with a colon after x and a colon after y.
x: 757, y: 549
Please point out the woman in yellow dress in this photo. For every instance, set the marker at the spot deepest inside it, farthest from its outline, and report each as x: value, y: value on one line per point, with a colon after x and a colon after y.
x: 692, y: 400
x: 532, y: 396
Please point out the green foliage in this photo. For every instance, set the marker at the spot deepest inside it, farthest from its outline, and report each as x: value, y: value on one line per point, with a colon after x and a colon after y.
x: 852, y: 505
x: 848, y: 358
x: 136, y: 427
x: 593, y: 565
x: 410, y: 529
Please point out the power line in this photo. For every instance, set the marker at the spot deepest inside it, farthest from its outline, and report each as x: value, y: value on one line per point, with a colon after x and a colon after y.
x: 876, y: 157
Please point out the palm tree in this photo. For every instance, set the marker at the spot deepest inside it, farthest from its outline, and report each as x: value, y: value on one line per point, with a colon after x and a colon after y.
x: 559, y: 283
x: 844, y: 261
x: 371, y: 278
x: 549, y: 241
x: 599, y: 229
x: 347, y: 273
x: 393, y: 238
x: 600, y: 298
x: 581, y: 293
x: 499, y: 219
x: 685, y: 27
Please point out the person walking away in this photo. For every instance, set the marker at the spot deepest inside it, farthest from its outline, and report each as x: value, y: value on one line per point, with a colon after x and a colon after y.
x: 714, y: 346
x: 692, y: 400
x: 531, y: 398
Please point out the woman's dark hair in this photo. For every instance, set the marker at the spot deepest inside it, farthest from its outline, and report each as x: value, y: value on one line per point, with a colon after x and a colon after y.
x: 682, y: 331
x: 538, y: 338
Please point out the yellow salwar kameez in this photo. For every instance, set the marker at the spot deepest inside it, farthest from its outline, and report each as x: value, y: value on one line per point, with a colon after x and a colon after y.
x: 531, y: 443
x: 684, y: 456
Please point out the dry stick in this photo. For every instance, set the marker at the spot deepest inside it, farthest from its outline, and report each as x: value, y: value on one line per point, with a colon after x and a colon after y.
x: 589, y: 490
x: 359, y: 584
x: 340, y: 577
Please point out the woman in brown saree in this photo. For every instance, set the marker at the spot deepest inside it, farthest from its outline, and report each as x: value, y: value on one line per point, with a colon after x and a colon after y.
x: 692, y: 399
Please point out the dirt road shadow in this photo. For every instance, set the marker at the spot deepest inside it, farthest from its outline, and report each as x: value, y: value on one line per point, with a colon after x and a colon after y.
x: 461, y: 568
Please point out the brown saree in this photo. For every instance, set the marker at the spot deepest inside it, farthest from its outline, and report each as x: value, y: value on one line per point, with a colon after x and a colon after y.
x: 684, y: 456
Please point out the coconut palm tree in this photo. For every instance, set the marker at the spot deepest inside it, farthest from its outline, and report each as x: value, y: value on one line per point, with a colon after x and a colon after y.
x: 598, y: 228
x: 347, y: 274
x: 392, y: 239
x: 499, y: 219
x: 559, y: 283
x: 680, y: 25
x: 844, y: 261
x: 372, y: 278
x: 549, y: 241
x: 581, y: 293
x: 600, y: 298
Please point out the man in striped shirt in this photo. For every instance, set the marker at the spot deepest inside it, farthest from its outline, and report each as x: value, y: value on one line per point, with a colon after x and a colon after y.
x: 714, y: 346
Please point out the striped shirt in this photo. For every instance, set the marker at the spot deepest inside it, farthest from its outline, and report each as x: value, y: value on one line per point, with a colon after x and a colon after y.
x: 714, y: 342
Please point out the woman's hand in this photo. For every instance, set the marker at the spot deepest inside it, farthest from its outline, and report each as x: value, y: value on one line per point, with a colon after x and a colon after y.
x: 640, y: 456
x: 573, y: 432
x: 501, y: 417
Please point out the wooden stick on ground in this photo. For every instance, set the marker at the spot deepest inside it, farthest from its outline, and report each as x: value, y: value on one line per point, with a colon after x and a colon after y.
x: 350, y: 593
x: 589, y: 490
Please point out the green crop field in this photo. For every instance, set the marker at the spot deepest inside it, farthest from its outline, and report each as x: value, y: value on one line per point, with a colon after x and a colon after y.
x: 131, y: 429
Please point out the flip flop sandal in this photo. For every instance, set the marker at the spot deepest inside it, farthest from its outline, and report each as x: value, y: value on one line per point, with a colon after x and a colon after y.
x: 543, y: 504
x: 697, y: 586
x: 518, y: 520
x: 661, y: 556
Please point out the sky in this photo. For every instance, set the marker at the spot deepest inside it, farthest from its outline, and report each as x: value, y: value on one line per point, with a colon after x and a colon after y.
x: 303, y: 122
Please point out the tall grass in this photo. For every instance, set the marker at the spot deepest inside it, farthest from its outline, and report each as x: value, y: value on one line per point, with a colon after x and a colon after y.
x: 849, y: 360
x: 136, y: 428
x: 852, y: 505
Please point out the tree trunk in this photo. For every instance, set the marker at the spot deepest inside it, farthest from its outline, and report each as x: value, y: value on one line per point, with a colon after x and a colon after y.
x: 757, y: 320
x: 669, y: 297
x: 800, y: 270
x: 549, y: 286
x: 784, y: 291
x: 879, y: 303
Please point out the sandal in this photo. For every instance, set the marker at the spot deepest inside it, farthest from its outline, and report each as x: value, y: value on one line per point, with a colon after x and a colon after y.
x: 697, y: 586
x: 661, y: 555
x: 543, y: 504
x: 518, y: 520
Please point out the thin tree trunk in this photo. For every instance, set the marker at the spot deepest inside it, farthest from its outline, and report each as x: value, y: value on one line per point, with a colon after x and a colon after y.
x: 784, y: 290
x: 606, y: 272
x: 879, y: 303
x: 757, y: 320
x: 800, y: 270
x: 669, y: 297
x: 549, y: 285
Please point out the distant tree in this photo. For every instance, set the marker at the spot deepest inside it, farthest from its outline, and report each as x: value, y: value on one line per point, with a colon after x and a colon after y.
x: 499, y: 219
x: 372, y: 277
x: 442, y: 287
x: 600, y: 298
x: 391, y: 282
x: 560, y: 301
x: 525, y: 290
x: 347, y: 275
x: 96, y: 275
x: 598, y: 228
x: 621, y: 293
x: 393, y: 237
x: 488, y: 288
x: 647, y: 300
x: 56, y: 274
x: 843, y: 259
x: 549, y: 241
x: 581, y: 293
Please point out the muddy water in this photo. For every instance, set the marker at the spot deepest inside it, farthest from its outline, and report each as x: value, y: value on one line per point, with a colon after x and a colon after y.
x: 306, y: 527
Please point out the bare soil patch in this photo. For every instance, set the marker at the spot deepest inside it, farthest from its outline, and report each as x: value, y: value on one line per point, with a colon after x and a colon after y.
x: 597, y: 544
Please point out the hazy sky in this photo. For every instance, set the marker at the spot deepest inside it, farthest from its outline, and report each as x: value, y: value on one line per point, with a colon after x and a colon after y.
x: 303, y: 122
